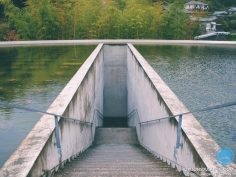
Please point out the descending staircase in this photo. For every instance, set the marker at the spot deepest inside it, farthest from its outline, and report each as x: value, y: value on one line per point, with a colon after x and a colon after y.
x: 116, y: 152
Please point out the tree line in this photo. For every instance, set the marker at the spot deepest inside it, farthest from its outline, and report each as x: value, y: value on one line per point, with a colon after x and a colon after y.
x: 94, y: 19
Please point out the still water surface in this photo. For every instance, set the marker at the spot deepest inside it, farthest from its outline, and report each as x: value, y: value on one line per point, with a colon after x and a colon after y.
x: 32, y: 77
x: 201, y: 76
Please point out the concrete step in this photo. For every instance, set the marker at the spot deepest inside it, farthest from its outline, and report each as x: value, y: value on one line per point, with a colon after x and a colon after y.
x: 111, y: 175
x: 117, y: 160
x: 122, y: 173
x: 116, y: 136
x: 126, y: 171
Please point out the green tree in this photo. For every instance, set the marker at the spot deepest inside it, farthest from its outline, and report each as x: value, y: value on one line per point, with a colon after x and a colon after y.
x: 175, y: 21
x: 138, y: 19
x: 109, y: 22
x: 158, y: 22
x: 44, y: 19
x: 93, y: 19
x: 36, y: 21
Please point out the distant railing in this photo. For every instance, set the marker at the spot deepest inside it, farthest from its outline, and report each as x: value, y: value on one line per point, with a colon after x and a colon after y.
x: 194, y: 111
x: 133, y: 112
x: 40, y: 112
x: 97, y: 111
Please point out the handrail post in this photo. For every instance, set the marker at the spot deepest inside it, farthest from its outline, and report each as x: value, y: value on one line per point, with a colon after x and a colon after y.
x: 57, y: 138
x: 178, y: 144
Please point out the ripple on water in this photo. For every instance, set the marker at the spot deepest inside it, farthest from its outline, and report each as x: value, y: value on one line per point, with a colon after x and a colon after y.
x: 5, y: 125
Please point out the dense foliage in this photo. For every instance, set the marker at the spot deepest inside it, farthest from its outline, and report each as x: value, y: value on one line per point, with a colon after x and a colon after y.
x: 94, y: 19
x: 100, y: 19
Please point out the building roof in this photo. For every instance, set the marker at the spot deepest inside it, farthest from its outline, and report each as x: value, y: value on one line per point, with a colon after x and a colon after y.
x: 220, y: 13
x: 232, y: 9
x: 195, y: 3
x: 209, y: 19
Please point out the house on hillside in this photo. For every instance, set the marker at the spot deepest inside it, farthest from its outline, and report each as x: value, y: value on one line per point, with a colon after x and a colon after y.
x: 208, y: 24
x: 231, y: 10
x: 196, y: 5
x: 211, y: 30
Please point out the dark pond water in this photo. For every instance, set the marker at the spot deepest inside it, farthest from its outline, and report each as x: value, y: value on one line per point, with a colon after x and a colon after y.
x: 201, y: 76
x: 32, y: 77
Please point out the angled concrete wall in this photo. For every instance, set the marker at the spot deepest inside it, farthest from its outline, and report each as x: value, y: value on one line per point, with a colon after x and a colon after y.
x: 115, y: 89
x: 80, y: 98
x: 153, y: 99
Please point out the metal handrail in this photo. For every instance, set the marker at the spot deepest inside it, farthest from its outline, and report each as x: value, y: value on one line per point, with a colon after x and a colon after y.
x: 131, y: 113
x: 194, y: 111
x: 99, y: 113
x: 178, y: 143
x: 134, y: 111
x: 58, y: 144
x: 59, y: 149
x: 40, y: 112
x: 95, y: 110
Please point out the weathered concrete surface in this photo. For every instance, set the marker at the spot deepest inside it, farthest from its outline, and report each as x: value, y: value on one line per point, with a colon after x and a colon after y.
x: 81, y: 96
x: 115, y: 89
x: 118, y: 41
x: 153, y: 99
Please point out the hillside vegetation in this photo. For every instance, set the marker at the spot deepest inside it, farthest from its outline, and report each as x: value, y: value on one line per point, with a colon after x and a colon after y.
x: 96, y: 19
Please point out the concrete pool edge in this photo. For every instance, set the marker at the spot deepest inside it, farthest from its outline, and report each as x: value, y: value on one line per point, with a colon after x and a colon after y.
x: 118, y: 41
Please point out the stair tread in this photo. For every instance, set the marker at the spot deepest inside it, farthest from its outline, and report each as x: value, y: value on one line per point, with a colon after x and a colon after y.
x: 116, y: 153
x: 146, y: 165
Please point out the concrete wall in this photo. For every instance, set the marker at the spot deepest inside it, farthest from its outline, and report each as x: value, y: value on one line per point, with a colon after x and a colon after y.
x: 115, y: 89
x: 82, y: 95
x: 153, y: 99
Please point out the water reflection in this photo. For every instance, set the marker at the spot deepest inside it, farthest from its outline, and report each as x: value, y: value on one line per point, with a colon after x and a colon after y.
x: 201, y: 76
x: 32, y: 77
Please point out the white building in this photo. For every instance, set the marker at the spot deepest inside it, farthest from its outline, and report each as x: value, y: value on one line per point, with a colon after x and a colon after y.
x: 209, y: 23
x: 231, y: 10
x: 196, y: 5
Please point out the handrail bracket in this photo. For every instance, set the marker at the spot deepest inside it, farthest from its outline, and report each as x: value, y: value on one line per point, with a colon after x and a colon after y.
x: 178, y: 144
x: 57, y: 138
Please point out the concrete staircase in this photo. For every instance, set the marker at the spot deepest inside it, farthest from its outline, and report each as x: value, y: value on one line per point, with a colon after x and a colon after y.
x: 116, y: 152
